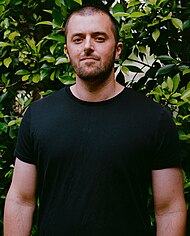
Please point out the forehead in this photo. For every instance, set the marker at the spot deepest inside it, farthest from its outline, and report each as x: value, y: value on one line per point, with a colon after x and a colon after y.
x: 97, y: 22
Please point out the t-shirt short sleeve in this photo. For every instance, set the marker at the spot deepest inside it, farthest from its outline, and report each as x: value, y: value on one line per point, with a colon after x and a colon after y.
x: 166, y: 144
x: 24, y: 147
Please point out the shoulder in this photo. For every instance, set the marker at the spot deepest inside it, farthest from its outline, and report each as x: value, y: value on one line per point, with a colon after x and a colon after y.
x: 141, y: 102
x: 55, y: 96
x: 148, y: 110
x: 49, y: 102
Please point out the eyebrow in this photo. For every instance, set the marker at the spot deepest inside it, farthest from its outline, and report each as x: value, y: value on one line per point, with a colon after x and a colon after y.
x: 93, y: 34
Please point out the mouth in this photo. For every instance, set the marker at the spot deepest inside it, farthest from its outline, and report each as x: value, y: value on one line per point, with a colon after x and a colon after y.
x: 89, y: 59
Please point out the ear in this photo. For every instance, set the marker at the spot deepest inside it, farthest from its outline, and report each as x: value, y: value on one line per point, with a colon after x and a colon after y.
x: 118, y: 50
x: 66, y: 51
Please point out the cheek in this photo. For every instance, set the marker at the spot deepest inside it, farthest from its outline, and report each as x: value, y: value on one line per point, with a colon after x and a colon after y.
x: 108, y: 54
x: 74, y: 51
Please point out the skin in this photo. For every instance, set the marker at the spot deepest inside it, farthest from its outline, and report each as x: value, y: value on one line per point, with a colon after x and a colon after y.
x: 21, y: 200
x: 170, y: 206
x: 91, y: 48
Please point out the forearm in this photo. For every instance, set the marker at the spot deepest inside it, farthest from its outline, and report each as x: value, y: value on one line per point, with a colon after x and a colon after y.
x: 18, y: 218
x: 171, y: 224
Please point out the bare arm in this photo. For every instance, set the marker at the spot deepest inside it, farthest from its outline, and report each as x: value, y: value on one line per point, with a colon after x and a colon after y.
x: 20, y: 201
x: 170, y: 207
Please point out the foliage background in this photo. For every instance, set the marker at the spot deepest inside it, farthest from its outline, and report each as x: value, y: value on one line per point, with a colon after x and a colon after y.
x: 155, y: 61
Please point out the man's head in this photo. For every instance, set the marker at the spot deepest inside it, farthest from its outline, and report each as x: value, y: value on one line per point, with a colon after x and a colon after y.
x: 92, y: 43
x: 91, y: 10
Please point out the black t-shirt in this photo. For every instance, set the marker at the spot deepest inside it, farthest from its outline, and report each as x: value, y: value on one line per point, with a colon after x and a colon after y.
x: 94, y: 161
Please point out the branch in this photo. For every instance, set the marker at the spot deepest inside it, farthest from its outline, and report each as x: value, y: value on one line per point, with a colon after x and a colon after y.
x: 140, y: 62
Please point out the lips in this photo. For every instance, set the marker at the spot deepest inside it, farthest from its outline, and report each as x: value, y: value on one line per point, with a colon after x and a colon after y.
x: 89, y: 59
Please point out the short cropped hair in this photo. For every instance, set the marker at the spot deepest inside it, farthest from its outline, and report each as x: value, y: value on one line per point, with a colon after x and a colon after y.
x: 88, y: 10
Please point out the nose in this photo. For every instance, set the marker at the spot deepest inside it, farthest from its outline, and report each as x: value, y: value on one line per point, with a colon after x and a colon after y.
x: 88, y: 46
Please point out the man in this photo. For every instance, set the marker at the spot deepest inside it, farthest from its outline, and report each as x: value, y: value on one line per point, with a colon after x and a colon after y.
x: 93, y: 148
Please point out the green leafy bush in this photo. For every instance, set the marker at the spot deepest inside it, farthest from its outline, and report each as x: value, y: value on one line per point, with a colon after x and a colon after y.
x: 155, y: 60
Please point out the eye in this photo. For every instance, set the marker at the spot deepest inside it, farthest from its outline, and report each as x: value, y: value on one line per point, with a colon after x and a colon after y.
x: 100, y: 39
x: 77, y: 40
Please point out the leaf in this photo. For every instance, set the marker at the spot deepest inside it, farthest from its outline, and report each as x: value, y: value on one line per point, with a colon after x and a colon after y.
x: 52, y: 76
x: 168, y: 17
x: 12, y: 134
x: 137, y: 14
x: 165, y: 69
x: 48, y: 23
x: 177, y: 23
x: 124, y: 69
x: 187, y: 185
x: 12, y: 36
x: 25, y: 77
x: 3, y: 127
x: 176, y: 80
x: 155, y: 22
x: 52, y: 48
x: 1, y: 114
x: 142, y: 49
x: 59, y: 14
x: 153, y: 2
x: 61, y: 60
x: 134, y: 69
x: 49, y: 59
x: 22, y: 72
x: 170, y: 84
x: 48, y: 11
x: 36, y: 78
x: 121, y: 14
x: 3, y: 96
x: 175, y: 95
x: 31, y: 43
x: 182, y: 135
x: 56, y: 37
x: 7, y: 61
x: 186, y: 71
x: 167, y: 96
x: 118, y: 8
x: 78, y: 1
x: 160, y: 2
x: 66, y: 79
x: 2, y: 9
x: 173, y: 101
x: 158, y: 90
x: 186, y: 95
x: 165, y: 58
x: 183, y: 67
x: 12, y: 122
x: 133, y: 3
x: 127, y: 26
x: 42, y: 93
x: 4, y: 44
x: 44, y: 72
x: 164, y: 85
x: 186, y: 24
x: 59, y: 2
x: 156, y: 34
x: 188, y: 85
x: 184, y: 117
x: 17, y: 2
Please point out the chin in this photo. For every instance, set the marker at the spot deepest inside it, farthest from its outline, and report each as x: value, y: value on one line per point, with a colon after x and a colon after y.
x: 89, y: 75
x: 94, y: 74
x: 89, y: 78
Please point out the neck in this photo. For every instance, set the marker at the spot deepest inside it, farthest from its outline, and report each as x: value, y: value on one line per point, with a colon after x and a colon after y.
x: 96, y: 91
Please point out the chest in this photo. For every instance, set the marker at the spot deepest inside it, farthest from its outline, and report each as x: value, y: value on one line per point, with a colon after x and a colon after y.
x: 100, y: 136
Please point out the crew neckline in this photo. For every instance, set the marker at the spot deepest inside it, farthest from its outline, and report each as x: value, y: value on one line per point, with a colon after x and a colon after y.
x: 110, y: 100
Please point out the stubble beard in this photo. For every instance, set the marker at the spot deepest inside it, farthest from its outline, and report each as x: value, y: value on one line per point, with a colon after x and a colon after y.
x: 94, y: 73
